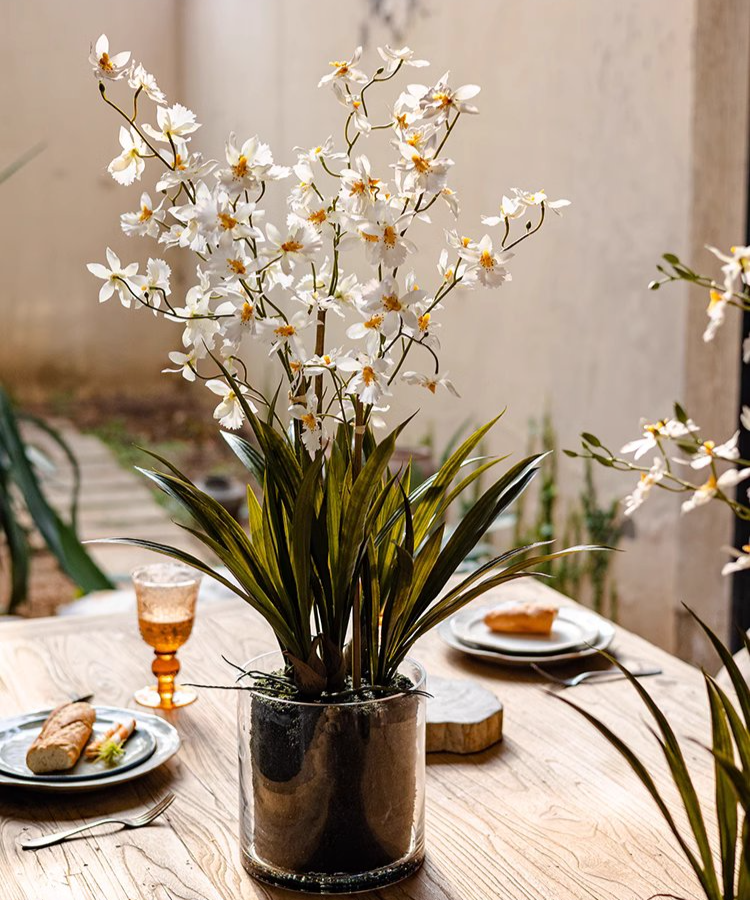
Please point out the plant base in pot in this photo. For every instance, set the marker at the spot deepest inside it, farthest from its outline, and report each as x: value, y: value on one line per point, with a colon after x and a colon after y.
x: 332, y: 794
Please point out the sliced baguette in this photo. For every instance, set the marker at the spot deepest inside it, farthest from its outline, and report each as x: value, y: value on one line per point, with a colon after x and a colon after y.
x: 63, y: 736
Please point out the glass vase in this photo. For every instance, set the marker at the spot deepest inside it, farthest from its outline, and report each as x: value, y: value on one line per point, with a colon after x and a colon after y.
x: 332, y: 794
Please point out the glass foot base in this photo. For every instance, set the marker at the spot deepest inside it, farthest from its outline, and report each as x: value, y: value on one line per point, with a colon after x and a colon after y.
x: 149, y: 696
x: 323, y: 883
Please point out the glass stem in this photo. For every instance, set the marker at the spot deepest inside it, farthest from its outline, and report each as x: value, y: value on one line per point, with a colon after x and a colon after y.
x: 165, y: 666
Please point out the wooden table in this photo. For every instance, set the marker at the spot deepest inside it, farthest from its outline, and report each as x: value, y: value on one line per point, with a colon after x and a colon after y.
x: 550, y: 814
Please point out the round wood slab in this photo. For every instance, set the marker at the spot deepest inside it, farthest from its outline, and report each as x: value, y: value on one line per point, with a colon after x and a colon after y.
x: 462, y: 716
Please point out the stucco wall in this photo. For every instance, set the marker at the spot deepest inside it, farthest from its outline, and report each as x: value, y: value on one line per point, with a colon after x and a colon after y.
x: 62, y: 210
x: 612, y: 105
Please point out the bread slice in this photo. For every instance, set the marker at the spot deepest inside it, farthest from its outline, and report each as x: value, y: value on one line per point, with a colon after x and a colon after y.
x: 522, y: 617
x: 63, y: 736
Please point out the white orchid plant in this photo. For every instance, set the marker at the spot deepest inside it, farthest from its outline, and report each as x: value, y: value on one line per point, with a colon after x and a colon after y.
x: 685, y: 461
x: 338, y: 537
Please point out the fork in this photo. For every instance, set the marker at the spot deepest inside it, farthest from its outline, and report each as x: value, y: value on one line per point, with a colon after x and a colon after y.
x: 608, y: 674
x: 128, y: 822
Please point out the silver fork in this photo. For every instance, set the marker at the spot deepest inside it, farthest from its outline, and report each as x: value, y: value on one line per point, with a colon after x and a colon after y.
x: 128, y: 822
x: 607, y: 674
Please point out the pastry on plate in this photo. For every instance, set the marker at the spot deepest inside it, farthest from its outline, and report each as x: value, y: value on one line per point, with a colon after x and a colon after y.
x: 522, y: 617
x: 64, y: 734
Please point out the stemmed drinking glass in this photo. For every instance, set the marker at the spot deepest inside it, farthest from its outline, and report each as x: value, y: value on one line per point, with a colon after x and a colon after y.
x: 166, y: 594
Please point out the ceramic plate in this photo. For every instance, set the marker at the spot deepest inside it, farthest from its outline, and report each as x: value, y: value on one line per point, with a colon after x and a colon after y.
x: 572, y: 629
x: 154, y: 741
x: 603, y: 640
x: 15, y: 742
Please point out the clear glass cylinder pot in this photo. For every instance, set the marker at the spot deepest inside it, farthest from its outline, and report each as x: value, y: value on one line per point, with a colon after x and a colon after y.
x: 332, y: 794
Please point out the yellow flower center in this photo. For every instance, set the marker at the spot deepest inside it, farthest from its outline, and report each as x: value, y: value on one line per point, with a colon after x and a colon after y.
x: 391, y: 302
x: 487, y: 260
x: 247, y: 312
x: 389, y: 236
x: 370, y: 238
x: 465, y: 241
x: 414, y: 140
x: 431, y: 386
x: 105, y: 63
x: 309, y: 421
x: 442, y: 99
x: 237, y: 266
x: 146, y: 214
x: 424, y: 321
x: 368, y: 375
x: 179, y: 164
x: 240, y: 169
x: 401, y: 120
x: 285, y: 331
x: 291, y: 246
x: 226, y: 221
x: 295, y: 365
x: 420, y: 163
x: 374, y: 323
x: 710, y: 485
x: 318, y: 217
x: 327, y: 360
x: 715, y: 298
x: 746, y: 548
x: 709, y: 446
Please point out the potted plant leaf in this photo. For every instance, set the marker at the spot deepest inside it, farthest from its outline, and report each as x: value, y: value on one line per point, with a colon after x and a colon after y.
x: 346, y: 561
x: 726, y: 876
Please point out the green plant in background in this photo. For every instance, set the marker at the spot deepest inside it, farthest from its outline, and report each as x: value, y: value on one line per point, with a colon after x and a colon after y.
x: 729, y: 877
x: 24, y: 509
x: 586, y: 520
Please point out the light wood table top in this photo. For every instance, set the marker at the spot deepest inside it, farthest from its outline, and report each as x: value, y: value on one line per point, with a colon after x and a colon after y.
x: 552, y: 813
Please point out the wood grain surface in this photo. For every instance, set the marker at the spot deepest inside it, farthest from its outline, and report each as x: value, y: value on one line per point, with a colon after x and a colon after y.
x: 551, y: 813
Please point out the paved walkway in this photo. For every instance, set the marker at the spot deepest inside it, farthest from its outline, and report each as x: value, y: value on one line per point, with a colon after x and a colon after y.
x: 114, y: 502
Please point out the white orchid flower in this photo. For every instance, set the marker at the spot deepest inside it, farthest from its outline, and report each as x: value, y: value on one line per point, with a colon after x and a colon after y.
x: 116, y: 278
x: 145, y: 222
x: 645, y: 484
x: 345, y: 72
x: 229, y: 412
x: 430, y: 382
x: 112, y: 67
x: 129, y: 165
x: 141, y: 80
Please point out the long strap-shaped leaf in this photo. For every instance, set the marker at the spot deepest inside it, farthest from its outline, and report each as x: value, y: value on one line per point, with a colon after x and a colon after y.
x: 681, y: 777
x: 726, y: 799
x: 707, y: 880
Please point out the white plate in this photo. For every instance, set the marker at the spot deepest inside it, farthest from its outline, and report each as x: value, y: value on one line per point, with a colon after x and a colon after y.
x: 164, y: 736
x: 572, y: 629
x: 603, y: 640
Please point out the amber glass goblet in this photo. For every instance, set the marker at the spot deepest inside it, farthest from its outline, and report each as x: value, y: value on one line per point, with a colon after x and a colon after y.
x: 166, y: 594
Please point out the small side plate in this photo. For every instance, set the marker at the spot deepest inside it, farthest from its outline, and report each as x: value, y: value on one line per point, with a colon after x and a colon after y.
x: 166, y: 741
x: 15, y: 742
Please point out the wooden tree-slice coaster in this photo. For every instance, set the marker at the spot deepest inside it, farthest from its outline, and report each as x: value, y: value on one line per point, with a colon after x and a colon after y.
x: 462, y: 716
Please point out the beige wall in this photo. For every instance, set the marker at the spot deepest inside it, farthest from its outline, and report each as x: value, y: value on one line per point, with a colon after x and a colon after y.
x: 62, y: 210
x: 611, y: 105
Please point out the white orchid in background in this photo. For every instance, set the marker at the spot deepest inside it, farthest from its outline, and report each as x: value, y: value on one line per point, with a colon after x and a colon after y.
x: 341, y: 251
